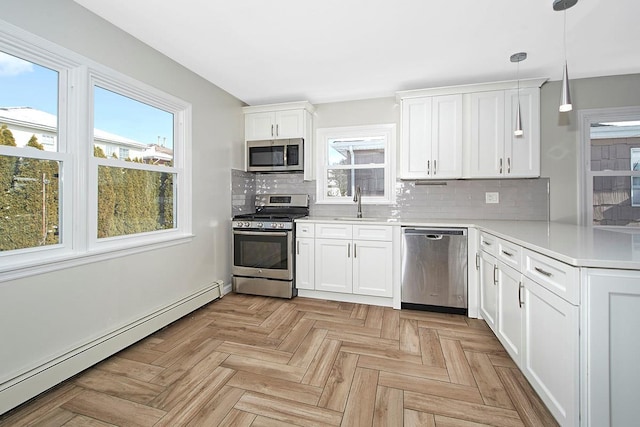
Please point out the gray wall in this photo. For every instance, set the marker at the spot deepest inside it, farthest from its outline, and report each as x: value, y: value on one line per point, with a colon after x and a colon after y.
x: 560, y: 134
x: 46, y: 315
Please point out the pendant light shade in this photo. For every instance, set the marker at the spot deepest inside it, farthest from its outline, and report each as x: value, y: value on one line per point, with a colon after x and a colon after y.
x: 565, y: 96
x: 518, y: 130
x: 517, y: 58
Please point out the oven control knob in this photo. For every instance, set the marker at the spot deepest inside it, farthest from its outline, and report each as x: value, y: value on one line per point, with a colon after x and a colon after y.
x: 259, y: 225
x: 246, y: 224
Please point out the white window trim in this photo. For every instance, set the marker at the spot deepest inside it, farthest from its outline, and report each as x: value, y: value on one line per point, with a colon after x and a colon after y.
x: 323, y: 135
x: 585, y: 176
x: 75, y: 123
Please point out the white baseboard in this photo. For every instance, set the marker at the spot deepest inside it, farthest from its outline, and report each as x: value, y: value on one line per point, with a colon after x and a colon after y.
x: 41, y: 378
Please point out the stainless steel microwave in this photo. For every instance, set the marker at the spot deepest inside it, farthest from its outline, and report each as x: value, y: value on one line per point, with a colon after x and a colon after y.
x: 275, y: 155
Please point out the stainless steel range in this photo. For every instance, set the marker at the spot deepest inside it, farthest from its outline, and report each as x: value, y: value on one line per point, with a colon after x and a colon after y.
x: 263, y: 258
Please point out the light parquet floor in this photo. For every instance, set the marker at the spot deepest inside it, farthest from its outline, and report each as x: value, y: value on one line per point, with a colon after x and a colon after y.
x: 256, y: 361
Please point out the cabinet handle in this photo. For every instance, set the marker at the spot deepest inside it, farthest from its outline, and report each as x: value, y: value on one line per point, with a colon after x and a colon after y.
x: 355, y: 248
x: 486, y: 242
x: 508, y: 164
x: 541, y: 271
x: 500, y: 164
x: 277, y: 130
x: 272, y: 130
x: 495, y: 274
x: 298, y: 247
x: 520, y: 302
x: 477, y: 261
x: 435, y: 166
x: 507, y: 253
x: 428, y: 167
x: 348, y: 250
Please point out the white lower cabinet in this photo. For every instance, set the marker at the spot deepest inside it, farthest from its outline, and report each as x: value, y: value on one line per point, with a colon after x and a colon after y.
x: 362, y: 264
x: 488, y: 289
x: 551, y: 352
x: 305, y: 263
x: 537, y: 327
x: 611, y: 346
x: 372, y: 268
x: 334, y: 270
x: 510, y: 313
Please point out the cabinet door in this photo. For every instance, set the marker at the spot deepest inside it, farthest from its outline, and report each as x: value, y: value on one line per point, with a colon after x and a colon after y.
x: 305, y: 263
x: 550, y: 357
x: 510, y: 313
x: 522, y: 153
x: 372, y: 268
x: 259, y: 126
x: 487, y: 135
x: 415, y: 147
x: 289, y: 124
x: 612, y: 344
x: 333, y: 265
x: 488, y: 290
x: 446, y: 148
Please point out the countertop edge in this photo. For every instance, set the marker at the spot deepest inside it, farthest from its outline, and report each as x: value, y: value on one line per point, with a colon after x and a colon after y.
x: 505, y: 230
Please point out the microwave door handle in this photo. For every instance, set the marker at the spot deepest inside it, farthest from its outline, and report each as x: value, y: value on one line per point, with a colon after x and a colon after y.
x: 285, y: 155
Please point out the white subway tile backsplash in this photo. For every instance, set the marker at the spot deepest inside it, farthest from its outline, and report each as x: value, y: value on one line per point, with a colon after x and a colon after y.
x: 520, y: 199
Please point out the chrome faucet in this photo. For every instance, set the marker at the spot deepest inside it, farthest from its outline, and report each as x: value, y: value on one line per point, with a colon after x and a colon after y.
x: 357, y: 197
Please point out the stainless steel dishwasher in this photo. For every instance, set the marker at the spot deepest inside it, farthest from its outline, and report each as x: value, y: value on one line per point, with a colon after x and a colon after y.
x: 434, y: 269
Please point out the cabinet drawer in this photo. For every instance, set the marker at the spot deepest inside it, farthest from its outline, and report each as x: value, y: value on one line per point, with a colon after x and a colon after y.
x: 510, y: 254
x: 558, y: 277
x: 305, y: 230
x: 489, y: 243
x: 372, y: 232
x: 334, y: 231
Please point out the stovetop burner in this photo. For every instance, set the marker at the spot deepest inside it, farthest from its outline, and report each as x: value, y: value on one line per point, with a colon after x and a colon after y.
x: 275, y: 211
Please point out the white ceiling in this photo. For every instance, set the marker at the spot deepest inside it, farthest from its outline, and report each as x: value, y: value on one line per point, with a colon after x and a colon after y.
x: 334, y: 50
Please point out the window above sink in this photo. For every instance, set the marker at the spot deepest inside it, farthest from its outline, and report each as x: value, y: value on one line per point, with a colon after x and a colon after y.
x: 349, y: 157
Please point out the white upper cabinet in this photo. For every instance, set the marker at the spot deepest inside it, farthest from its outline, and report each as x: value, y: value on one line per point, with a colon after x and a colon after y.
x: 495, y: 152
x: 467, y: 131
x: 275, y: 125
x: 431, y: 144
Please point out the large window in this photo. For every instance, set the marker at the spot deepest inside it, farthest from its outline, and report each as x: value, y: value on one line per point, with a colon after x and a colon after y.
x: 351, y: 157
x: 91, y: 161
x: 612, y: 168
x: 31, y: 163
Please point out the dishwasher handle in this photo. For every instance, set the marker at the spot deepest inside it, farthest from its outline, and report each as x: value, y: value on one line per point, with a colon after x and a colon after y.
x: 435, y: 233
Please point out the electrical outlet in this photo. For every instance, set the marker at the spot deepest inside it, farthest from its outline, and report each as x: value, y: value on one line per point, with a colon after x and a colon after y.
x: 492, y: 197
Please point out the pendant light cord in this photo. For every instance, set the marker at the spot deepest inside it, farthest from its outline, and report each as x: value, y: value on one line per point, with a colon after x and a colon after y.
x: 564, y: 33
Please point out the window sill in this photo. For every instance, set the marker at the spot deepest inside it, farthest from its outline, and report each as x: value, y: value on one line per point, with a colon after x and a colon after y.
x: 47, y: 265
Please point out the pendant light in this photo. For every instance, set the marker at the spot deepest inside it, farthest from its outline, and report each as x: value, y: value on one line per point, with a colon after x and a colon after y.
x: 565, y: 96
x: 517, y: 58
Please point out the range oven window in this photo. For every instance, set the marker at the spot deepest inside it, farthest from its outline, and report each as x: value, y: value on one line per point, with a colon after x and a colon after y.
x: 260, y: 250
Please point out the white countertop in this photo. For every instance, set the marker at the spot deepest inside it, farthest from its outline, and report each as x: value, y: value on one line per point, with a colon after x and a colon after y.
x: 572, y: 244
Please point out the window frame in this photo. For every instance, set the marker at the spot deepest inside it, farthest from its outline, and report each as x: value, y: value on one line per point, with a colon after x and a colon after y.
x: 78, y: 172
x: 324, y: 135
x: 585, y: 183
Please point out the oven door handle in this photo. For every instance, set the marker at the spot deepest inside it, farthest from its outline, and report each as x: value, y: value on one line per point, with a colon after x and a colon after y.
x: 260, y: 233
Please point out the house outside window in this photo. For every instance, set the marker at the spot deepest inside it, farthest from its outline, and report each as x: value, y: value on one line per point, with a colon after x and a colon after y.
x: 359, y: 156
x: 612, y: 173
